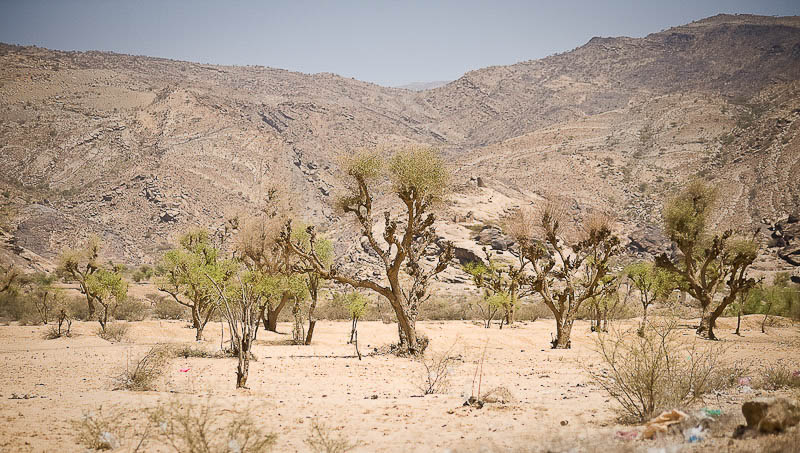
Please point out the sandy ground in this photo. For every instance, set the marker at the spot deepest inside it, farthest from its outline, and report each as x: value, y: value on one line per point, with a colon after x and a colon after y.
x: 374, y: 401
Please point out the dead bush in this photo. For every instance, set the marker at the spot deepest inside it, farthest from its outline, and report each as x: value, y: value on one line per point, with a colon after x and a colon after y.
x: 780, y: 376
x: 114, y: 332
x: 98, y: 431
x: 654, y: 372
x: 120, y: 431
x: 323, y: 440
x: 143, y: 375
x: 436, y: 371
x: 199, y: 428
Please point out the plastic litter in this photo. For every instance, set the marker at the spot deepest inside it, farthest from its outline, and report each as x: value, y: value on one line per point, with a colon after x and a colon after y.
x: 662, y: 423
x: 694, y: 435
x: 185, y: 370
x: 746, y: 389
x: 627, y: 435
x: 712, y: 412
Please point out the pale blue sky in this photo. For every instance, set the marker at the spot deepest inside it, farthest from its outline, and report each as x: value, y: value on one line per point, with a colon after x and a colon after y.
x: 386, y: 42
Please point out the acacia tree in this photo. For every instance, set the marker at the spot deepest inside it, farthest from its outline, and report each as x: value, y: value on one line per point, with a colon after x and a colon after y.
x: 707, y: 260
x: 419, y: 180
x: 260, y: 250
x: 241, y: 292
x: 183, y: 276
x: 77, y: 265
x: 109, y: 289
x: 503, y: 284
x: 313, y: 279
x: 608, y: 301
x: 567, y: 276
x: 653, y: 284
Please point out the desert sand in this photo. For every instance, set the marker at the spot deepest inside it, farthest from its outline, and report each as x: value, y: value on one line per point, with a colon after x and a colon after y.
x: 374, y: 401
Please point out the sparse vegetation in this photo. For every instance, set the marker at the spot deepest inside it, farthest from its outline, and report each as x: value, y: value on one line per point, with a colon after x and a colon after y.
x: 114, y: 332
x: 437, y: 369
x: 183, y: 277
x: 581, y: 274
x: 419, y: 179
x: 708, y: 260
x: 143, y: 374
x: 654, y: 371
x: 322, y: 439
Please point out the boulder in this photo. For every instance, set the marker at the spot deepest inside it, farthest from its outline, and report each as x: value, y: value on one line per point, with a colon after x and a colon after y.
x: 770, y: 415
x: 464, y: 256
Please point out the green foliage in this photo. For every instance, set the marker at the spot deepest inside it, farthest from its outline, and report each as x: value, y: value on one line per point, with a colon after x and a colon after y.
x: 108, y: 286
x: 686, y: 215
x: 421, y: 170
x: 366, y: 164
x: 355, y: 302
x: 185, y: 274
x: 653, y: 283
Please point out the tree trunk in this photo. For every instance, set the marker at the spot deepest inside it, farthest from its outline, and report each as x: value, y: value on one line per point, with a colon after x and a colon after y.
x: 642, y: 326
x: 563, y: 331
x: 243, y: 353
x: 310, y: 333
x: 706, y: 328
x: 242, y: 371
x: 352, y: 330
x: 199, y: 335
x: 738, y: 321
x: 271, y: 323
x: 91, y: 307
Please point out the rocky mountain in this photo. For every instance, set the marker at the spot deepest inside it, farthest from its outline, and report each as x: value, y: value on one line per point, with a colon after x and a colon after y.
x: 137, y: 149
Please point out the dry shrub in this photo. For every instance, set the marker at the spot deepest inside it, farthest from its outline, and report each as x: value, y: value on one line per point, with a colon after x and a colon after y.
x: 131, y: 309
x: 654, y: 372
x: 780, y: 376
x: 323, y: 440
x: 53, y: 333
x: 189, y: 350
x: 146, y: 371
x: 164, y: 308
x: 436, y: 371
x: 102, y: 431
x: 114, y: 332
x: 437, y: 309
x: 199, y: 428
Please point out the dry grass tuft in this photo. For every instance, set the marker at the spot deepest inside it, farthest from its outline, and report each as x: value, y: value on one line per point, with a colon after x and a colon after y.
x: 114, y: 332
x: 146, y: 372
x: 436, y: 371
x: 323, y: 440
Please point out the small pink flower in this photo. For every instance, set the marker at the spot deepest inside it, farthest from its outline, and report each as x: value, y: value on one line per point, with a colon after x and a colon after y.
x: 744, y: 381
x: 796, y: 373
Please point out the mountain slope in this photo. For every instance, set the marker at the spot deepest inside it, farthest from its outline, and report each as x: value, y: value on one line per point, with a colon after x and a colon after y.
x: 137, y: 149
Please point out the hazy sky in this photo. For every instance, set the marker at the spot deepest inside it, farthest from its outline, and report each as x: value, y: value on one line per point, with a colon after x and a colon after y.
x: 386, y: 42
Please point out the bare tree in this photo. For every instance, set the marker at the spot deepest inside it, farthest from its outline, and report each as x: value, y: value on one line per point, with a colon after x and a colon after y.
x: 419, y: 179
x: 567, y: 276
x: 707, y: 260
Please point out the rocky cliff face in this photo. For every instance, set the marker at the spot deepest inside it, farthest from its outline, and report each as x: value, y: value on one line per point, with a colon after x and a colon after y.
x: 137, y: 149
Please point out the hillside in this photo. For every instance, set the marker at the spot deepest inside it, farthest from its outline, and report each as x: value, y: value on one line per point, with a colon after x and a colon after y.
x: 137, y: 149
